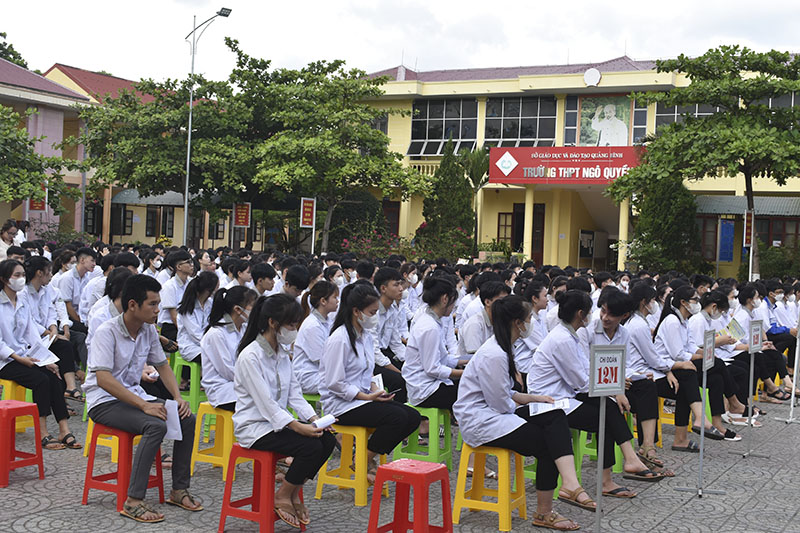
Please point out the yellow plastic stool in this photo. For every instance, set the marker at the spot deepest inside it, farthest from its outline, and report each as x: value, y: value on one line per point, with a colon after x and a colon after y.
x: 220, y: 452
x: 110, y: 441
x: 348, y: 475
x: 507, y: 499
x: 14, y: 391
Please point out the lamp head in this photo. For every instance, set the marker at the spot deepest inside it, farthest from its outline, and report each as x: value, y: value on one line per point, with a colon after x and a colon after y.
x: 224, y: 12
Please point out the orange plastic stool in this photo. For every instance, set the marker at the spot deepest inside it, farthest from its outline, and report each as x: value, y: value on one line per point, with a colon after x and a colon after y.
x: 262, y: 499
x: 122, y: 476
x: 10, y: 457
x: 408, y: 473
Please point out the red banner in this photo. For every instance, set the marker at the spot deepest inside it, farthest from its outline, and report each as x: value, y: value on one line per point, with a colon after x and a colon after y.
x: 308, y: 210
x: 561, y: 164
x: 39, y: 205
x: 748, y: 229
x: 241, y: 215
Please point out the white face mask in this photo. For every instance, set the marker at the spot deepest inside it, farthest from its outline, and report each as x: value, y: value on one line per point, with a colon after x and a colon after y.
x: 405, y: 294
x: 368, y: 322
x: 16, y: 284
x: 694, y: 308
x: 157, y: 264
x: 733, y: 303
x: 624, y: 284
x: 735, y: 293
x: 716, y: 315
x: 652, y: 307
x: 756, y: 303
x: 413, y: 279
x: 286, y: 336
x: 587, y: 321
x: 779, y: 297
x: 526, y: 330
x: 791, y: 298
x: 339, y: 281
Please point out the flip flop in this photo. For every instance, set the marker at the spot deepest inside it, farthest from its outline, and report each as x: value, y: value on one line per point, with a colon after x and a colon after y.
x: 652, y: 462
x: 692, y: 447
x: 617, y: 493
x: 779, y: 394
x: 643, y: 475
x: 283, y: 510
x: 299, y: 509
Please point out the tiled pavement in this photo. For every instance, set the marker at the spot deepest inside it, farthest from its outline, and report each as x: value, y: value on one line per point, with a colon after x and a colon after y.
x: 762, y: 495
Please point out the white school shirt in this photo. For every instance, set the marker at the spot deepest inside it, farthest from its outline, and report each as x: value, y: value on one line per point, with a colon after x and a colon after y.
x: 171, y: 296
x: 218, y: 346
x: 672, y: 339
x: 560, y: 366
x: 344, y: 373
x: 552, y: 320
x: 462, y: 305
x: 17, y: 330
x: 387, y: 334
x: 595, y: 334
x: 191, y: 327
x: 93, y: 291
x: 115, y: 350
x: 786, y: 314
x: 428, y: 363
x: 653, y: 318
x: 163, y: 276
x: 102, y: 311
x: 524, y: 348
x: 71, y: 285
x: 485, y: 408
x: 473, y: 334
x: 308, y: 349
x: 642, y: 356
x: 472, y: 308
x: 265, y: 387
x: 744, y: 316
x: 43, y: 306
x: 151, y: 273
x: 702, y: 321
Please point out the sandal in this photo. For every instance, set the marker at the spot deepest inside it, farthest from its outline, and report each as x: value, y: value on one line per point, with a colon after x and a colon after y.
x: 285, y: 510
x: 618, y: 493
x: 182, y: 494
x: 666, y: 472
x: 643, y: 475
x: 73, y: 394
x: 71, y: 442
x: 731, y: 436
x: 572, y: 496
x: 692, y: 447
x: 710, y: 433
x: 779, y: 394
x: 488, y: 474
x: 551, y: 521
x: 166, y: 460
x: 135, y: 512
x: 650, y: 461
x: 300, y: 511
x: 51, y: 443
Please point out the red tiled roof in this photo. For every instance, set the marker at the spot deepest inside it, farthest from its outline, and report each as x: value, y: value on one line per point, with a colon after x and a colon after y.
x: 16, y: 76
x: 97, y: 84
x: 619, y: 64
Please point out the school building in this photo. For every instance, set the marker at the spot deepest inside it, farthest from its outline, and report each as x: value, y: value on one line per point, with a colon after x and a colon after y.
x: 539, y: 110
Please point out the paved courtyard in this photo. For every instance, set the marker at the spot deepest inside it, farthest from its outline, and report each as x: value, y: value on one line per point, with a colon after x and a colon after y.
x: 762, y: 495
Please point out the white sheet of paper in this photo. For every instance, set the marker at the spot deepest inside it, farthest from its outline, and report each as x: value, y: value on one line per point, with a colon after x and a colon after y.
x: 378, y: 381
x: 174, y: 431
x: 567, y: 404
x: 45, y: 356
x: 48, y: 341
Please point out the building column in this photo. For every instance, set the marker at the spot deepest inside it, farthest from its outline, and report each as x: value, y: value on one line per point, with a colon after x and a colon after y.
x: 527, y: 240
x: 622, y: 250
x: 403, y: 219
x: 555, y: 228
x: 107, y: 215
x: 206, y: 223
x: 561, y: 107
x: 480, y: 133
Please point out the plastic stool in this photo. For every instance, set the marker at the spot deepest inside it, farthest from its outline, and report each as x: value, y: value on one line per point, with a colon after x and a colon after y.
x: 587, y: 446
x: 194, y: 395
x: 708, y: 408
x: 219, y: 453
x: 10, y: 457
x: 432, y: 453
x: 122, y: 476
x: 109, y: 440
x: 507, y: 500
x: 14, y: 391
x: 408, y: 473
x: 262, y: 498
x: 312, y: 399
x: 349, y: 475
x: 529, y: 470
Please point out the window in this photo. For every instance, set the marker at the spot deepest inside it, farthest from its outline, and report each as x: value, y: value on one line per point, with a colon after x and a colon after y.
x: 436, y: 121
x: 671, y: 114
x: 93, y: 219
x: 259, y: 232
x: 505, y: 227
x: 168, y: 221
x: 571, y: 121
x: 216, y: 230
x: 782, y: 101
x: 708, y: 237
x: 121, y: 220
x: 151, y: 224
x: 128, y: 222
x: 778, y: 231
x: 639, y: 122
x: 381, y: 123
x: 521, y: 121
x: 239, y: 234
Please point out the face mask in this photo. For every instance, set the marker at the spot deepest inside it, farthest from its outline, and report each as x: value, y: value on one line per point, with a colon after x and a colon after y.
x: 16, y: 284
x: 652, y: 307
x: 791, y: 298
x: 286, y: 336
x: 368, y: 322
x: 694, y: 308
x: 624, y: 284
x: 339, y: 281
x: 413, y: 279
x: 756, y: 303
x: 733, y: 303
x: 157, y: 264
x: 735, y: 293
x: 405, y: 294
x: 779, y: 297
x: 245, y: 315
x: 526, y: 330
x: 716, y: 315
x: 586, y: 321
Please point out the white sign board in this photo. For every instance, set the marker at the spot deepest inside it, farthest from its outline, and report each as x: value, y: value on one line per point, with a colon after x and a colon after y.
x: 708, y: 349
x: 756, y: 336
x: 607, y: 370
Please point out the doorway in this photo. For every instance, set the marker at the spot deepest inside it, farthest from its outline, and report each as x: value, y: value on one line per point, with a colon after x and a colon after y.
x: 518, y: 231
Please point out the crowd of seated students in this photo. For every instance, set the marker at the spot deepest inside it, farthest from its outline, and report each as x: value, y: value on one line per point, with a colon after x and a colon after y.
x: 483, y: 341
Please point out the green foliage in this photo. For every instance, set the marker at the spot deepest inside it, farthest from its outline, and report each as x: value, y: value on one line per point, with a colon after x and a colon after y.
x: 449, y: 205
x: 24, y: 171
x: 453, y: 243
x: 476, y: 167
x: 59, y: 235
x: 666, y: 235
x: 8, y: 52
x: 776, y: 262
x: 358, y: 213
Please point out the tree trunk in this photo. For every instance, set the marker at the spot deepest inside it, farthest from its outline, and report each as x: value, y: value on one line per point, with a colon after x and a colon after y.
x: 748, y: 186
x: 327, y: 227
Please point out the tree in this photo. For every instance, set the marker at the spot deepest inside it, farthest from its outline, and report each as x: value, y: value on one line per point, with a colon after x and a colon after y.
x: 358, y: 212
x: 745, y: 136
x: 9, y: 53
x: 449, y: 204
x: 476, y: 167
x: 23, y: 171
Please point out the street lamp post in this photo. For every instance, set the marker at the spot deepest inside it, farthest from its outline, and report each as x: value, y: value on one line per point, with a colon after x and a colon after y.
x: 224, y: 12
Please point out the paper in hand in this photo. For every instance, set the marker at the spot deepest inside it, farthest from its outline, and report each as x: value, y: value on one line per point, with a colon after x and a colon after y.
x: 45, y: 357
x: 174, y: 431
x: 378, y: 381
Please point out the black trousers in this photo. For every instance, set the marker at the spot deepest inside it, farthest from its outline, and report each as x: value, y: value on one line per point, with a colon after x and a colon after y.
x: 783, y: 342
x: 444, y: 397
x: 716, y: 384
x: 186, y: 372
x: 231, y: 406
x: 546, y: 437
x: 688, y: 393
x: 587, y: 418
x: 48, y: 390
x: 78, y: 341
x: 393, y: 381
x: 157, y: 389
x: 66, y: 355
x: 643, y: 397
x: 392, y: 357
x: 741, y: 376
x: 309, y: 453
x: 170, y: 331
x: 392, y: 421
x: 766, y: 364
x: 78, y: 326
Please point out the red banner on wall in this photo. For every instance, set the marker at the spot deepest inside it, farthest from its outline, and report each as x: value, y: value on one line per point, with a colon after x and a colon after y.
x: 241, y: 215
x: 308, y: 210
x: 39, y: 205
x: 561, y: 164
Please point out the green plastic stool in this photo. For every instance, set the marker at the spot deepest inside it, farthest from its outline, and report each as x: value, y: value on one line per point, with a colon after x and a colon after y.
x: 431, y: 453
x: 194, y: 395
x: 587, y: 446
x: 314, y: 400
x: 708, y: 408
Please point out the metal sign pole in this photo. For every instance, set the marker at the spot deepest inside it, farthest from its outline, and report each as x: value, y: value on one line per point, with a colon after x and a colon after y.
x: 755, y: 333
x: 792, y: 418
x: 314, y: 227
x: 601, y: 437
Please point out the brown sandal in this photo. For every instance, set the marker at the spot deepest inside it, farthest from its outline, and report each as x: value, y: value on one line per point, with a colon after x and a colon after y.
x: 551, y: 521
x: 285, y: 510
x: 300, y: 511
x: 181, y: 494
x: 572, y: 496
x: 648, y: 460
x: 135, y: 512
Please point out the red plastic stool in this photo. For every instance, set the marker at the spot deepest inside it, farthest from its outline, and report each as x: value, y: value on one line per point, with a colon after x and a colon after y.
x: 10, y: 457
x: 407, y: 473
x: 122, y: 476
x: 262, y: 499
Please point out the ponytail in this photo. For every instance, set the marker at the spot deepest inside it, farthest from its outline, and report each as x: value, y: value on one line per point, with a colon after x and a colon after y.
x: 203, y: 282
x: 682, y: 293
x: 358, y: 295
x: 504, y: 312
x: 226, y: 299
x: 321, y: 289
x: 281, y: 308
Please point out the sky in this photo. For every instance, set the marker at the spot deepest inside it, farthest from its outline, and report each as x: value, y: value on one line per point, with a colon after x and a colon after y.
x: 145, y: 39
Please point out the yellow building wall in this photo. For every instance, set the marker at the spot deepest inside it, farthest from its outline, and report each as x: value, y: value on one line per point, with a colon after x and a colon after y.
x: 62, y: 79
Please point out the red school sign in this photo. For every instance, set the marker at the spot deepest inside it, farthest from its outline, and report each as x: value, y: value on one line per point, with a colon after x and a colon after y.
x: 561, y: 164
